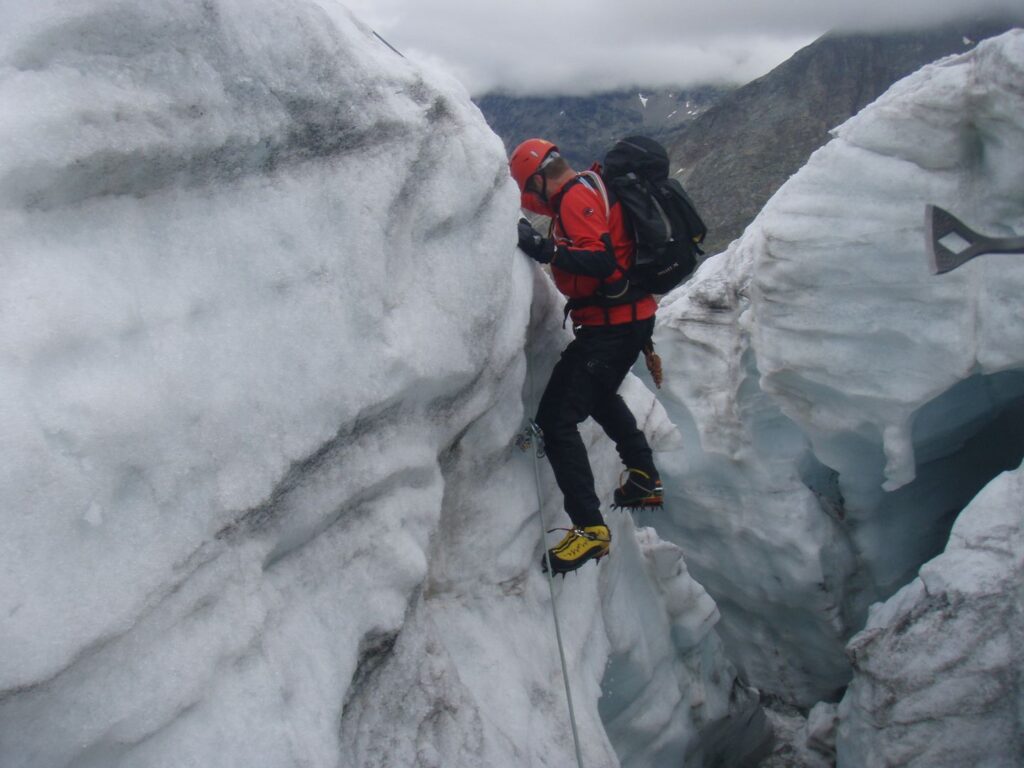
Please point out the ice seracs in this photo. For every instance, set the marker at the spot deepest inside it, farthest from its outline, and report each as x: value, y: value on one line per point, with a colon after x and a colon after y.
x: 839, y: 404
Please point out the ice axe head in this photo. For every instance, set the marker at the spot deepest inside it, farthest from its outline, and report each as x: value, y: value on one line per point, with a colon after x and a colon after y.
x: 951, y: 243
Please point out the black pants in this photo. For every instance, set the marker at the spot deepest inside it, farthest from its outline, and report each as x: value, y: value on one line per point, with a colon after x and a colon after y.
x: 584, y: 383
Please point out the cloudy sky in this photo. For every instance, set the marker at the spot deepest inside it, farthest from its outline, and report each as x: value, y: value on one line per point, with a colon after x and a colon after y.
x: 580, y: 46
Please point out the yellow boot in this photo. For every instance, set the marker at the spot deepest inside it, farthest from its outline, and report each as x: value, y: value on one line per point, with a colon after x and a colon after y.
x: 577, y: 547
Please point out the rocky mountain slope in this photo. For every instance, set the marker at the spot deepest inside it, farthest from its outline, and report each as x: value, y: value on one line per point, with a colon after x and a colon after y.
x: 734, y: 156
x: 583, y: 126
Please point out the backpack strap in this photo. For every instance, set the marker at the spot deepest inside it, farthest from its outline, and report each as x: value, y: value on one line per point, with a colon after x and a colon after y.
x: 592, y: 181
x: 629, y: 295
x: 597, y: 184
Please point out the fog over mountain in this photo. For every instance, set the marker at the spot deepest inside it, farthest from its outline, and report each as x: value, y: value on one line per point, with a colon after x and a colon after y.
x: 584, y: 127
x: 579, y: 48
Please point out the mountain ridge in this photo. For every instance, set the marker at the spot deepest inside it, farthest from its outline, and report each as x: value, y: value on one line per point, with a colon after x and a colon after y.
x: 733, y: 157
x: 584, y: 126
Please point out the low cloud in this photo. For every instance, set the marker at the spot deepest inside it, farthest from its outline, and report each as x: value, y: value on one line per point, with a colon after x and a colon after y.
x: 578, y: 46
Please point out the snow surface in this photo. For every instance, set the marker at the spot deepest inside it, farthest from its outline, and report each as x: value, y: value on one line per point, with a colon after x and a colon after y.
x: 265, y: 344
x: 838, y: 403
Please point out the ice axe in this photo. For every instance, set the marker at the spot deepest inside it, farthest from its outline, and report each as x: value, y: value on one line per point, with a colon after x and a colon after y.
x: 952, y: 243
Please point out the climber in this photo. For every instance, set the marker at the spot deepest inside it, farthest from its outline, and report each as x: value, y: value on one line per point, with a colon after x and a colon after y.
x: 589, y: 252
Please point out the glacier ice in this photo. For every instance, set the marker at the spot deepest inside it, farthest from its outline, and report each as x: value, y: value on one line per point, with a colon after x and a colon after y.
x: 938, y: 670
x: 264, y: 344
x: 839, y: 404
x: 182, y: 336
x: 662, y: 695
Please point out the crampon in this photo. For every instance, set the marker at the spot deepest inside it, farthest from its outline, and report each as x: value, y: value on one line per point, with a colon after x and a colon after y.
x: 638, y: 490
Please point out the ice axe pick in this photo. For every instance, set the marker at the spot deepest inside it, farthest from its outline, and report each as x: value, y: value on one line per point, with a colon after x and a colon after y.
x: 952, y: 243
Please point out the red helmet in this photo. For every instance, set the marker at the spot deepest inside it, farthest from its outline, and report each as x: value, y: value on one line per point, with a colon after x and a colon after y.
x: 528, y: 158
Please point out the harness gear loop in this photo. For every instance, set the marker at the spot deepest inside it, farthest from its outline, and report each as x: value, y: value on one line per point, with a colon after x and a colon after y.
x: 653, y: 364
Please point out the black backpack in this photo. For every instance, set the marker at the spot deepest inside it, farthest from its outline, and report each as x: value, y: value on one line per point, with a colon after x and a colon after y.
x: 664, y: 222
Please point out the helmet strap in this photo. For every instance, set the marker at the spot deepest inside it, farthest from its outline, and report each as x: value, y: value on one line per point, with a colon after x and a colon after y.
x: 542, y: 193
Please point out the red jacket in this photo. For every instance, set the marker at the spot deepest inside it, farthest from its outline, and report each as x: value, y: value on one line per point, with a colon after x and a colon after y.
x: 593, y: 249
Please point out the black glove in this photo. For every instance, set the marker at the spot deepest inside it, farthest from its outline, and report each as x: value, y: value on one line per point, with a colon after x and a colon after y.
x: 533, y: 245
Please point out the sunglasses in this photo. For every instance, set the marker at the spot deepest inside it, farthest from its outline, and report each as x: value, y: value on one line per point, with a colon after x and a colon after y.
x: 535, y: 183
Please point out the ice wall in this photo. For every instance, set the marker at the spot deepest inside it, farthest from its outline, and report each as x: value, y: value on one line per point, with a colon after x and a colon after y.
x: 235, y: 236
x: 264, y: 342
x: 839, y: 403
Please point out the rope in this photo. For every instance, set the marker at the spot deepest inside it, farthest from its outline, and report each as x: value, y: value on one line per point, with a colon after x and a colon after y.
x: 534, y: 432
